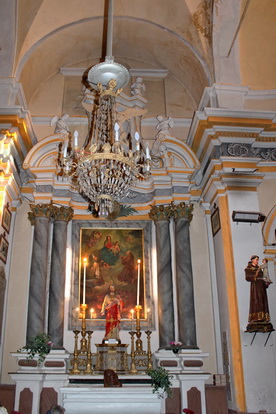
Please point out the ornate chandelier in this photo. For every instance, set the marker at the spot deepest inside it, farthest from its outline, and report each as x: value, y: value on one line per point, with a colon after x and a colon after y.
x: 105, y: 168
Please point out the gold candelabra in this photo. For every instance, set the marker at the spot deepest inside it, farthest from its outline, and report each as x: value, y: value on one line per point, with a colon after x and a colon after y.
x: 82, y: 361
x: 84, y: 350
x: 137, y: 349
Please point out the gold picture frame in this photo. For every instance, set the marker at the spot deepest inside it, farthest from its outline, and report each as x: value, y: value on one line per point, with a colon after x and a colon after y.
x: 6, y: 218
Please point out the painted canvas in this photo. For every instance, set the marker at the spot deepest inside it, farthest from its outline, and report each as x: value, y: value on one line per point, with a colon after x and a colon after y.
x: 112, y: 259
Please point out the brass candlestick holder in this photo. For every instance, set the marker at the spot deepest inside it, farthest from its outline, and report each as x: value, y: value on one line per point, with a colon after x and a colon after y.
x: 85, y: 348
x: 139, y: 342
x: 83, y: 342
x: 133, y: 369
x: 144, y: 357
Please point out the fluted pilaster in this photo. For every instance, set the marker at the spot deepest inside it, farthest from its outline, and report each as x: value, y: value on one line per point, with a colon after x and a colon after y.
x: 161, y: 217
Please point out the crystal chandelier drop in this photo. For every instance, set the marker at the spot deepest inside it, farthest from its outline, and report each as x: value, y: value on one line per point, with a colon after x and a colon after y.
x: 105, y: 168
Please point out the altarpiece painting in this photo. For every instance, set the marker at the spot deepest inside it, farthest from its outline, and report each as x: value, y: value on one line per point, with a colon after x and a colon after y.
x: 112, y: 251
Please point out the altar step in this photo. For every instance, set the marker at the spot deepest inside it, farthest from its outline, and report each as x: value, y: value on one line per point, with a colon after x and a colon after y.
x: 126, y: 400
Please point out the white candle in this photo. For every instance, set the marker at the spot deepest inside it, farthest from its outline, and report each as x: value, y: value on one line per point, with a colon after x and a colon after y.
x: 76, y: 134
x: 132, y: 313
x: 65, y: 150
x: 136, y: 136
x: 147, y: 151
x: 116, y: 128
x: 148, y: 312
x: 84, y: 280
x: 138, y: 281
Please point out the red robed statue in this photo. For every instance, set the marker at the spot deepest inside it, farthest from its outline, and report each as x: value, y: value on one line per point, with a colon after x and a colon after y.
x: 111, y: 307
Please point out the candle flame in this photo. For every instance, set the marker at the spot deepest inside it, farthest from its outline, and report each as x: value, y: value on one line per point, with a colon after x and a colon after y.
x: 84, y: 260
x: 139, y: 261
x: 132, y: 312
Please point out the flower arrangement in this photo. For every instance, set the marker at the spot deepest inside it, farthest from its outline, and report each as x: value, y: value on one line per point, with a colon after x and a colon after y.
x: 39, y: 345
x: 175, y: 346
x: 160, y: 381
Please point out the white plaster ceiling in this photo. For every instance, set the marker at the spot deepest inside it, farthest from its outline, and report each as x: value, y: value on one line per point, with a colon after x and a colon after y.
x: 147, y: 34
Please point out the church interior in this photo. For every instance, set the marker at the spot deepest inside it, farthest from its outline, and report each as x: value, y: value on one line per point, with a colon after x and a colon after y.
x: 138, y: 216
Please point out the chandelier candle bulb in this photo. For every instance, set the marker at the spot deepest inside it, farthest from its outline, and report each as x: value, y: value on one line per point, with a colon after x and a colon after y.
x: 76, y: 135
x: 136, y: 136
x: 138, y: 281
x: 147, y: 151
x: 116, y: 128
x: 84, y: 279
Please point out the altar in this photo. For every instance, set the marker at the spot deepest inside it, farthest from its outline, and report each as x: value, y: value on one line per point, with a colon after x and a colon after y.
x: 100, y: 400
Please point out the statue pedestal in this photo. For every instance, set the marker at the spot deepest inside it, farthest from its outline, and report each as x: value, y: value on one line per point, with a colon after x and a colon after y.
x: 112, y: 356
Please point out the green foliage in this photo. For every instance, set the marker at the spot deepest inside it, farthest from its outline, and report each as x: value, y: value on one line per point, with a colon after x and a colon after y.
x: 160, y: 381
x: 40, y: 346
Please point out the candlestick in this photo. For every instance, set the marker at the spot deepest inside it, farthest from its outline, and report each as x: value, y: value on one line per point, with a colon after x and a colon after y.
x: 84, y: 279
x: 138, y: 281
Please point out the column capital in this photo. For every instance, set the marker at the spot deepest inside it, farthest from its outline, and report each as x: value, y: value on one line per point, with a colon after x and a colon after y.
x: 40, y: 210
x: 181, y: 210
x: 158, y: 213
x: 63, y: 213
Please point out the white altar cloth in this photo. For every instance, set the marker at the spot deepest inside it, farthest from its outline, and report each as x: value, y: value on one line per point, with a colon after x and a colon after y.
x: 100, y: 400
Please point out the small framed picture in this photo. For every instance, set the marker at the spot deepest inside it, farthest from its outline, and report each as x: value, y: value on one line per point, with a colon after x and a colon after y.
x: 6, y: 218
x: 215, y: 220
x: 4, y: 246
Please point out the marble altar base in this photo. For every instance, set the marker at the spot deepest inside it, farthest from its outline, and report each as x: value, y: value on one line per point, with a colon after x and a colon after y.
x: 100, y: 400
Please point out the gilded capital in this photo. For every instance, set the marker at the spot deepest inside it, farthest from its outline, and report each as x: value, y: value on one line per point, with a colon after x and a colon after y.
x: 158, y: 213
x: 181, y: 210
x: 40, y: 210
x: 63, y: 213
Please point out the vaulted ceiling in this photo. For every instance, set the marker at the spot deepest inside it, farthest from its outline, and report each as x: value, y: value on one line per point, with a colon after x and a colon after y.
x: 198, y: 41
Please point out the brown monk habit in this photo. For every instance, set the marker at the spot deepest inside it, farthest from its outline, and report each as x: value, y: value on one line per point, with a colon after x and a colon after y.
x: 259, y: 319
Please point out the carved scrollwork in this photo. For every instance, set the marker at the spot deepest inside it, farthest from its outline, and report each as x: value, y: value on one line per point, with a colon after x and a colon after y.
x: 238, y: 150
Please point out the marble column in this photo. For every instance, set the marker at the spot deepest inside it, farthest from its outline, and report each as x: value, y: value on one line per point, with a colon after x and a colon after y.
x: 161, y: 217
x: 40, y: 218
x: 182, y: 214
x: 62, y: 216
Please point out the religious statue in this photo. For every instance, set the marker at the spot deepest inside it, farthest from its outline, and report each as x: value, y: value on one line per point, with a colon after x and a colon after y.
x: 137, y: 88
x: 60, y: 125
x: 111, y: 308
x: 259, y: 318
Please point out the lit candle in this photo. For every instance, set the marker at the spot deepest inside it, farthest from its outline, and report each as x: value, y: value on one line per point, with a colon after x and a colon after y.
x: 116, y: 128
x: 76, y: 134
x: 132, y: 315
x: 91, y: 313
x: 136, y: 136
x: 138, y: 281
x: 84, y: 279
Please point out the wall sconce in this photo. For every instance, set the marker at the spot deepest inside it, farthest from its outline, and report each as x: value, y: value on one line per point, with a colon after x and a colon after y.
x: 248, y: 216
